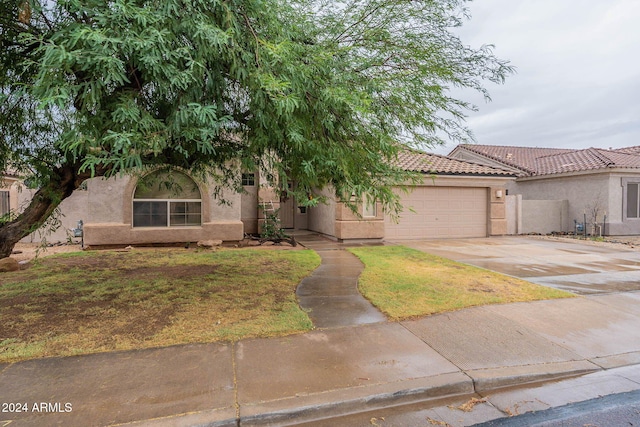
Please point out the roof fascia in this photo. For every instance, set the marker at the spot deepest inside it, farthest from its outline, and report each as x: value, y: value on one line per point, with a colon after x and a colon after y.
x: 632, y: 171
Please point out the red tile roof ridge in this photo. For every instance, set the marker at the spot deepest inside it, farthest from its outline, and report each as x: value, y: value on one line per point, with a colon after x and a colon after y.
x: 516, y: 146
x: 633, y: 150
x: 527, y: 167
x: 599, y: 153
x: 419, y: 161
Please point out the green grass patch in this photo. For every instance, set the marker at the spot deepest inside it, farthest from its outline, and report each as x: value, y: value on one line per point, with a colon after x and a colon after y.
x: 405, y: 283
x: 79, y: 303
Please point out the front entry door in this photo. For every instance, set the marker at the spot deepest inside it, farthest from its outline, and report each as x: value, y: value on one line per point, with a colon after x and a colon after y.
x: 286, y: 213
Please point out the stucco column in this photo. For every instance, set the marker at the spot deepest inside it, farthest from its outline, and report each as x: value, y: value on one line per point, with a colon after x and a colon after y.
x: 351, y: 227
x: 497, y: 212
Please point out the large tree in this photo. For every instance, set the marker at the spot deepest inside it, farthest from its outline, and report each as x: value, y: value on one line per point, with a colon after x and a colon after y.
x: 320, y: 92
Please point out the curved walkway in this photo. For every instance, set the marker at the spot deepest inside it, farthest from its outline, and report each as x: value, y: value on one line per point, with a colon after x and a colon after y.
x: 331, y: 294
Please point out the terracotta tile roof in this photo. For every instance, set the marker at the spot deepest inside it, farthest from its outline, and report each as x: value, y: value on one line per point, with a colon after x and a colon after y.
x: 523, y: 158
x: 628, y: 150
x: 548, y: 161
x: 417, y: 161
x: 622, y: 159
x: 9, y: 173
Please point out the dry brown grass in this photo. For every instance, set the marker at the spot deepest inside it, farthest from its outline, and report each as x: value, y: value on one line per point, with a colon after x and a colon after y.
x: 87, y: 302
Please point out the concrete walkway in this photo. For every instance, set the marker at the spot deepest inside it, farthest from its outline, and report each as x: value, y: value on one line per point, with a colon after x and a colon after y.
x: 335, y: 371
x: 330, y: 294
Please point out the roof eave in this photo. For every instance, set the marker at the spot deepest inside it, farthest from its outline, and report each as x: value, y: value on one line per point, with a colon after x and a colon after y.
x: 484, y: 175
x: 609, y: 169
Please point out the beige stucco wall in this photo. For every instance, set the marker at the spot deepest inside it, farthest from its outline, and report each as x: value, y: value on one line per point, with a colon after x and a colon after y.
x: 617, y: 222
x: 350, y: 226
x: 584, y: 191
x: 513, y: 212
x: 336, y: 220
x: 497, y: 215
x: 106, y: 209
x: 537, y: 216
x: 322, y: 218
x: 301, y: 219
x: 545, y: 216
x: 71, y: 210
x: 110, y: 216
x: 104, y: 234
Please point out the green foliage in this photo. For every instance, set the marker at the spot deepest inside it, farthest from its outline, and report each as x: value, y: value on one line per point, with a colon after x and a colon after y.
x: 318, y: 92
x: 271, y: 229
x: 8, y: 217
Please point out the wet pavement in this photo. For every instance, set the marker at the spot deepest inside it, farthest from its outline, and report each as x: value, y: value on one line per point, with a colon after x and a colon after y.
x: 335, y: 371
x: 576, y: 267
x: 499, y: 405
x: 330, y: 294
x: 120, y: 387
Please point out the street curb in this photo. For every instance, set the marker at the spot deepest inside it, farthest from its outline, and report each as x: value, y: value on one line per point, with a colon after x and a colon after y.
x: 353, y: 400
x: 617, y: 360
x: 495, y: 378
x: 342, y: 402
x: 294, y: 411
x: 224, y: 417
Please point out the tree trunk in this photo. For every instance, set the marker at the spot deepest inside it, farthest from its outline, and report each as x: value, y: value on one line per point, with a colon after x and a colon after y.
x: 62, y: 183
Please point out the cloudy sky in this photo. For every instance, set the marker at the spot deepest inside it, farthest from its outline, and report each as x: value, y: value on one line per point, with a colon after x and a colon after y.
x: 577, y: 83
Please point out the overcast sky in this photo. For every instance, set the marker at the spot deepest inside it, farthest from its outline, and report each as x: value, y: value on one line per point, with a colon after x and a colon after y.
x: 577, y: 83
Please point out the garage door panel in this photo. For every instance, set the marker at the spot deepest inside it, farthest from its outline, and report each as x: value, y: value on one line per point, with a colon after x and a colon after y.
x: 440, y: 212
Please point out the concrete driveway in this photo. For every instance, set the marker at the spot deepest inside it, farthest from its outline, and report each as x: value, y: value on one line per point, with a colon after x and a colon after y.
x: 579, y: 267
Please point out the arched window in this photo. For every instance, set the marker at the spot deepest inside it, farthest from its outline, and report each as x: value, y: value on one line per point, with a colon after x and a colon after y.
x: 167, y: 199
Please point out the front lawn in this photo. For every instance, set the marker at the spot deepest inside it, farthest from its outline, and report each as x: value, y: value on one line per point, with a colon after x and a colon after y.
x: 405, y: 283
x: 87, y: 302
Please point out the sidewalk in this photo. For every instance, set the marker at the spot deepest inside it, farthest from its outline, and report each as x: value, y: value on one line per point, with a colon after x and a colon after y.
x: 328, y: 372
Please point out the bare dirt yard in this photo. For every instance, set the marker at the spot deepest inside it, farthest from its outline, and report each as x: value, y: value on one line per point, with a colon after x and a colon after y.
x: 28, y: 251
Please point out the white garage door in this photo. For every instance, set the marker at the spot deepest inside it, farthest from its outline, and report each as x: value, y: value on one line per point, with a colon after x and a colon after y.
x: 440, y: 212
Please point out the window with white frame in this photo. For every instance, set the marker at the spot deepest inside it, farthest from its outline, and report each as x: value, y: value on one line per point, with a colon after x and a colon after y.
x: 167, y: 199
x: 368, y: 207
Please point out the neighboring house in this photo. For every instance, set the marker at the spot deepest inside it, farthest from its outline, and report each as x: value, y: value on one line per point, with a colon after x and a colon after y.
x: 559, y: 188
x: 8, y: 193
x: 456, y: 199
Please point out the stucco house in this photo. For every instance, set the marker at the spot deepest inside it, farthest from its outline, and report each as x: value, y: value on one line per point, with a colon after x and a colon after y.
x: 457, y: 198
x: 556, y: 188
